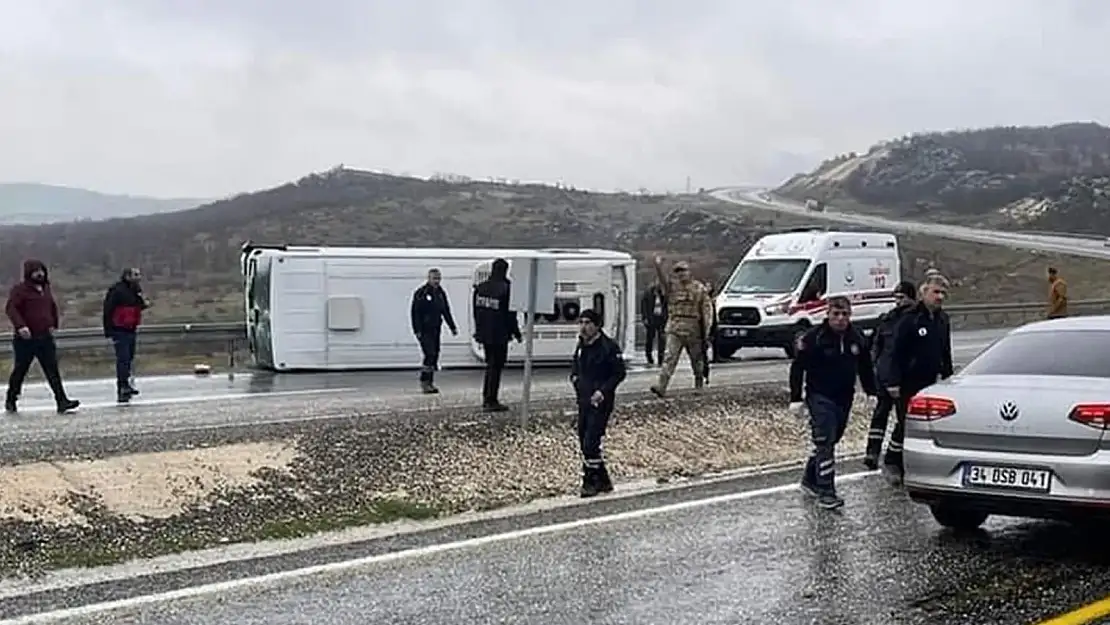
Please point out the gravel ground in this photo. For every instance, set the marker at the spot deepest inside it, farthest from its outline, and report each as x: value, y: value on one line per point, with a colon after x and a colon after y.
x: 349, y: 474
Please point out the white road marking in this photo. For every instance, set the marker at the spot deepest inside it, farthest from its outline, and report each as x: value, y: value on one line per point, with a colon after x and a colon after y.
x: 418, y: 552
x: 195, y: 399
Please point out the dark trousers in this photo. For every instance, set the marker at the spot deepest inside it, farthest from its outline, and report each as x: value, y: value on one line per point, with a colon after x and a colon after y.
x: 592, y: 422
x: 496, y: 354
x: 880, y: 418
x: 27, y: 351
x: 893, y: 457
x: 124, y: 345
x: 656, y: 340
x: 429, y: 347
x: 827, y: 420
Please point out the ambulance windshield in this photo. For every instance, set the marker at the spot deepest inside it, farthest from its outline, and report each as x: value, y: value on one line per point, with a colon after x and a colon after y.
x: 778, y: 275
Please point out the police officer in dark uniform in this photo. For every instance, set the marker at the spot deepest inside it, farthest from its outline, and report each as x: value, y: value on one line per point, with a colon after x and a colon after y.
x: 598, y: 368
x: 830, y: 357
x: 430, y: 310
x: 905, y: 298
x: 494, y: 325
x: 920, y: 352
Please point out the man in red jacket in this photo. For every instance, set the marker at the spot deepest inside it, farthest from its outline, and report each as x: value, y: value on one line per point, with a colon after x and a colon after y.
x: 34, y: 316
x: 123, y: 313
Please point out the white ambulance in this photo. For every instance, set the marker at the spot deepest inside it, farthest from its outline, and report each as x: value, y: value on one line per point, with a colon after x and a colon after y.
x: 782, y: 285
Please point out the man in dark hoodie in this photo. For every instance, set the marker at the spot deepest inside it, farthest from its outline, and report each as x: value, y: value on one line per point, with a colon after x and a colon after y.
x: 34, y: 316
x: 597, y: 369
x: 430, y: 310
x: 494, y: 325
x: 905, y: 298
x: 653, y: 311
x: 123, y: 313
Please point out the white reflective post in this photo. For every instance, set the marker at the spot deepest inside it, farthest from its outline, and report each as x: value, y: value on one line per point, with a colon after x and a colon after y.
x: 529, y: 331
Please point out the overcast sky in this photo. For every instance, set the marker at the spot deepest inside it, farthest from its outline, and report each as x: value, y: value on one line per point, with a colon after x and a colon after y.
x: 209, y: 97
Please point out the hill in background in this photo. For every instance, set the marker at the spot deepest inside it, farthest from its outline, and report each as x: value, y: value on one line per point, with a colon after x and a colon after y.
x: 1045, y: 178
x: 191, y: 257
x: 30, y: 203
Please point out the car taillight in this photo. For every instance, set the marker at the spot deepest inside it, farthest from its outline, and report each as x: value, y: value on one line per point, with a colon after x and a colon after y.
x: 930, y: 407
x: 1093, y: 415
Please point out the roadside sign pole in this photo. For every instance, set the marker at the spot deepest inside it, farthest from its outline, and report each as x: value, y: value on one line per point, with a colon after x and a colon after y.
x: 529, y: 330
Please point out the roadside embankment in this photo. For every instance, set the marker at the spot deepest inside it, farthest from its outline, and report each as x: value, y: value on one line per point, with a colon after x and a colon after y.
x: 87, y: 512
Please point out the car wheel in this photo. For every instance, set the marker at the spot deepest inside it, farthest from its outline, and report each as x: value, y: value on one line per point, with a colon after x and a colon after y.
x: 956, y: 517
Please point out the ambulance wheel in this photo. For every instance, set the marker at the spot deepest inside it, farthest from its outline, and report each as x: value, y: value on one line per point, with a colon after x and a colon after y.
x: 798, y: 333
x: 724, y: 353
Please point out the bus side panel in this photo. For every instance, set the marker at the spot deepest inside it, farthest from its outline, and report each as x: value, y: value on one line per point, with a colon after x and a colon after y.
x: 298, y: 314
x: 383, y: 288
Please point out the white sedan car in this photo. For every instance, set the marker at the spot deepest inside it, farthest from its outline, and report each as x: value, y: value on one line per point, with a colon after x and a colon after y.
x: 1020, y: 431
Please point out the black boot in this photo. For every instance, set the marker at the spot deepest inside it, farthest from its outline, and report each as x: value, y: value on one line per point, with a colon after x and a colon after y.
x: 67, y: 405
x: 9, y: 404
x: 123, y: 395
x: 589, y: 482
x: 604, y: 482
x: 131, y: 390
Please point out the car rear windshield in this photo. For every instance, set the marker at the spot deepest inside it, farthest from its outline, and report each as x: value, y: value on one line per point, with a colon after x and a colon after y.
x: 1081, y: 353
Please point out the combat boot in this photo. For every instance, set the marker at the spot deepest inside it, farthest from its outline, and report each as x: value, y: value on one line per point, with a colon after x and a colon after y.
x: 589, y: 483
x: 123, y: 396
x: 829, y: 501
x: 604, y: 482
x: 428, y: 388
x: 9, y: 404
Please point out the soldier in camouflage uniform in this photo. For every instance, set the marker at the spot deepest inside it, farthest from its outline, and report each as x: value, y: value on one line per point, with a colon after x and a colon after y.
x: 688, y: 311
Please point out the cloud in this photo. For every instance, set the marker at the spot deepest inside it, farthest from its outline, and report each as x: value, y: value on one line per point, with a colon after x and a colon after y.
x: 204, y: 97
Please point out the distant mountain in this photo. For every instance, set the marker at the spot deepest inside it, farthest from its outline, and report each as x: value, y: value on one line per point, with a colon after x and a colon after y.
x: 30, y: 203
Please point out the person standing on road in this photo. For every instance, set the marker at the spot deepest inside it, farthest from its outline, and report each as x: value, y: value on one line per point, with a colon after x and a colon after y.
x: 597, y: 369
x: 653, y: 312
x: 905, y: 298
x: 494, y: 325
x: 688, y: 310
x: 123, y: 313
x: 919, y: 353
x: 1057, y: 295
x: 34, y: 315
x: 430, y: 310
x: 830, y: 357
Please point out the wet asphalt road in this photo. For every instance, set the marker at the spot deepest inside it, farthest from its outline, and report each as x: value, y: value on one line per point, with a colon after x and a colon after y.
x: 193, y: 408
x: 770, y: 558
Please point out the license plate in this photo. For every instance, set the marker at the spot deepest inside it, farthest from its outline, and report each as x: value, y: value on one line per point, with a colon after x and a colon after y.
x: 1013, y: 478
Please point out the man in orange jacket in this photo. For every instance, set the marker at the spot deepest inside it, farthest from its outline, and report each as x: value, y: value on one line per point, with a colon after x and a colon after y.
x: 1057, y: 295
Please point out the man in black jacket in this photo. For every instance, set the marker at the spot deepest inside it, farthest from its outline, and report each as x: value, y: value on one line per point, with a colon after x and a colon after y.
x: 653, y: 312
x: 905, y: 298
x: 829, y: 358
x: 598, y: 368
x: 920, y: 352
x: 494, y: 325
x: 123, y: 314
x: 430, y: 310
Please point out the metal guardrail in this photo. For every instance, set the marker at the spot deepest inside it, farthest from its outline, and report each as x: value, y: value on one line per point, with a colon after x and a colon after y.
x: 233, y: 333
